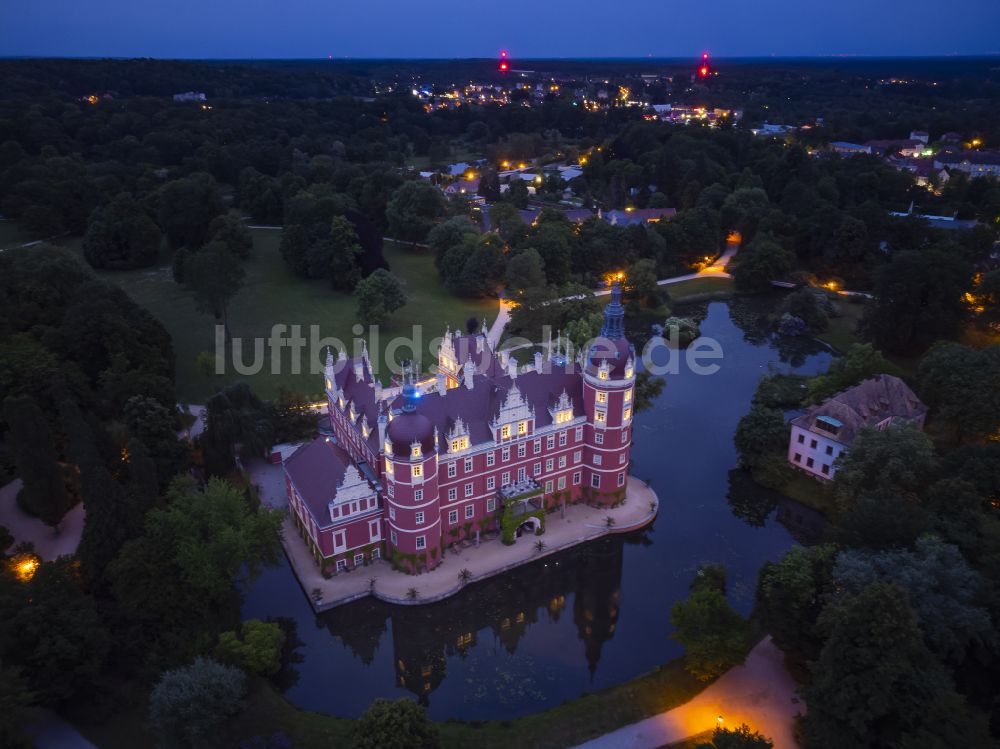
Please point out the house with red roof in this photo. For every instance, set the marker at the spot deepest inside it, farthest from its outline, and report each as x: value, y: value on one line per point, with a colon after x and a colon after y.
x: 493, y: 447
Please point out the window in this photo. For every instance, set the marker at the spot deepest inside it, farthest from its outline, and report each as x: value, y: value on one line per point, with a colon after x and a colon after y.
x: 621, y: 459
x: 388, y: 466
x: 421, y: 542
x: 341, y: 565
x: 562, y: 439
x: 387, y: 446
x: 548, y: 486
x: 521, y: 474
x: 812, y: 444
x: 459, y: 443
x: 627, y: 413
x: 505, y: 478
x: 452, y: 470
x: 505, y: 454
x: 798, y: 457
x: 452, y: 494
x: 491, y: 505
x: 562, y: 461
x: 468, y: 489
x: 829, y: 449
x: 376, y: 554
x: 505, y: 432
x: 373, y: 530
x: 392, y: 512
x: 602, y: 374
x: 538, y: 470
x: 521, y: 450
x: 522, y: 428
x: 802, y: 438
x: 538, y: 446
x: 415, y: 451
x: 602, y: 396
x: 624, y: 436
x: 598, y: 438
x: 491, y: 483
x: 628, y: 395
x: 595, y: 480
x: 621, y: 479
x: 629, y: 371
x: 576, y: 478
x: 809, y: 462
x: 600, y: 417
x: 359, y: 559
x: 418, y: 495
x: 550, y: 442
x: 392, y: 538
x: 391, y: 490
x: 549, y: 465
x: 491, y: 458
x: 419, y: 518
x: 577, y: 456
x: 825, y: 469
x: 468, y: 465
x: 562, y: 482
x: 579, y: 434
x: 418, y: 471
x: 470, y: 510
x: 597, y: 459
x: 453, y: 517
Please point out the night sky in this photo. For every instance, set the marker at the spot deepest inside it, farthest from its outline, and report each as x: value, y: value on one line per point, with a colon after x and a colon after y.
x: 477, y: 28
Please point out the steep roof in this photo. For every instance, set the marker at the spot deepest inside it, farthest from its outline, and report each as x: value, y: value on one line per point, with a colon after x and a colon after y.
x: 361, y: 393
x: 865, y: 405
x: 317, y: 469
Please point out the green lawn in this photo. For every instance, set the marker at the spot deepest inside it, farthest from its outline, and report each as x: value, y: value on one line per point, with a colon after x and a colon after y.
x: 267, y: 712
x: 700, y: 289
x: 842, y: 333
x: 272, y: 295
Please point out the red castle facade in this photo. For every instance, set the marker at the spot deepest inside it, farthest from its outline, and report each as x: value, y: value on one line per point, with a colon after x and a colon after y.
x: 490, y: 447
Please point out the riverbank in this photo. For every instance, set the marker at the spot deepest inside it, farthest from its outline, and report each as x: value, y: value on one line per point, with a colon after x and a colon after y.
x: 564, y: 529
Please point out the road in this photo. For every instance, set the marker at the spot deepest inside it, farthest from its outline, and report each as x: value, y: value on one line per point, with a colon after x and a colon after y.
x: 759, y: 693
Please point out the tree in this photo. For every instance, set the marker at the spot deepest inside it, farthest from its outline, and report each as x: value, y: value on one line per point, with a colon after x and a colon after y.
x: 877, y: 684
x: 860, y: 362
x: 16, y: 711
x: 187, y: 207
x: 188, y: 705
x: 715, y: 637
x: 898, y: 461
x: 807, y: 305
x: 296, y: 240
x: 790, y: 596
x: 43, y: 493
x: 962, y: 385
x: 399, y: 724
x: 214, y: 275
x: 229, y: 229
x: 193, y: 556
x: 918, y: 300
x: 760, y: 434
x: 447, y: 235
x: 524, y: 271
x: 762, y: 261
x: 743, y: 210
x: 413, y: 210
x: 337, y: 256
x: 235, y: 416
x: 736, y: 738
x: 554, y: 243
x: 647, y: 390
x: 987, y: 295
x: 505, y: 219
x: 379, y: 296
x: 255, y: 647
x: 120, y: 235
x: 583, y: 330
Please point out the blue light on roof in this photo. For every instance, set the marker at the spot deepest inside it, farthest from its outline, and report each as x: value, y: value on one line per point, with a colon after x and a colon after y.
x: 830, y: 420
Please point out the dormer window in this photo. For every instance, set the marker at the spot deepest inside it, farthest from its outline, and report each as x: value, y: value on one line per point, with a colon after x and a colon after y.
x: 329, y: 384
x: 629, y: 371
x: 627, y: 413
x: 388, y: 447
x: 564, y: 415
x: 522, y: 428
x: 628, y: 395
x: 388, y: 466
x: 505, y: 432
x: 415, y: 451
x: 602, y: 374
x: 458, y: 444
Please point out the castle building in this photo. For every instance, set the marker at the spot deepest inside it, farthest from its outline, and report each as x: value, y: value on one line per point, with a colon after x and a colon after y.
x: 490, y: 447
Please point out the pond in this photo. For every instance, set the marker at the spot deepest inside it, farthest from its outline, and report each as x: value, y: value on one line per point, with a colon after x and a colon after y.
x: 593, y: 616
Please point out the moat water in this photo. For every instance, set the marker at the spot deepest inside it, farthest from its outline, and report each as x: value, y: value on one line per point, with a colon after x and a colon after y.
x: 590, y: 617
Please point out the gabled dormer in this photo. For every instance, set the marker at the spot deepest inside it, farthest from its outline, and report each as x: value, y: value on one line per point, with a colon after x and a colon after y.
x: 516, y: 418
x: 353, y: 497
x: 458, y: 437
x: 562, y: 410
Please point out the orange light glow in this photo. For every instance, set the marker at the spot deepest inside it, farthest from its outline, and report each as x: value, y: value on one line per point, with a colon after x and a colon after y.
x: 25, y: 567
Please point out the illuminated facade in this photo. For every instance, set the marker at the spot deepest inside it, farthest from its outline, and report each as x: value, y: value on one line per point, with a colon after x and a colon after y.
x: 489, y: 446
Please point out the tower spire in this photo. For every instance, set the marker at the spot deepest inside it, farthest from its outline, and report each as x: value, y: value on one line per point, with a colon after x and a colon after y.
x: 614, y: 314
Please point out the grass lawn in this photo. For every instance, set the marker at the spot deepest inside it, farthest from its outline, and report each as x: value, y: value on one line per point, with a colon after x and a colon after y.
x: 842, y: 333
x: 273, y: 295
x: 568, y: 724
x: 700, y: 289
x: 805, y: 490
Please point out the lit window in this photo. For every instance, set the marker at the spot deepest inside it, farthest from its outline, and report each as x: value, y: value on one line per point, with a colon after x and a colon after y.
x: 627, y: 413
x: 415, y: 451
x: 602, y: 396
x: 505, y: 432
x: 600, y: 417
x: 388, y: 447
x: 388, y: 466
x: 602, y: 374
x: 628, y: 395
x: 522, y: 428
x: 628, y: 372
x: 418, y: 471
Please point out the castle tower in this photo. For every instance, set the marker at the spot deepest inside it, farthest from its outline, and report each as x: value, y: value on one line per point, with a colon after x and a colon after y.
x: 411, y: 477
x: 608, y: 399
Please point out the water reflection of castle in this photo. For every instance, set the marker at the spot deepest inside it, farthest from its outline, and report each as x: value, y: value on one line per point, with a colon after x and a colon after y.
x: 425, y: 637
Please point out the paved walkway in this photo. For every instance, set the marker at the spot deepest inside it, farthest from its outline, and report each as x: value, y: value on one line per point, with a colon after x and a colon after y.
x: 580, y: 524
x: 49, y: 543
x: 759, y: 693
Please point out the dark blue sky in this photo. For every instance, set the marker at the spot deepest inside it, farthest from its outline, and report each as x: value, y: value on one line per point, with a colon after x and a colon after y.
x: 478, y: 28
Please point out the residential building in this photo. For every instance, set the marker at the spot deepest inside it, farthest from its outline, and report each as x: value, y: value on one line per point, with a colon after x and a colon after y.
x: 824, y: 432
x: 492, y: 446
x: 973, y: 163
x: 849, y: 149
x: 190, y: 96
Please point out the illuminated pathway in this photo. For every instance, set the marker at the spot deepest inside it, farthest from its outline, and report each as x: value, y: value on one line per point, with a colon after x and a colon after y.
x: 759, y: 693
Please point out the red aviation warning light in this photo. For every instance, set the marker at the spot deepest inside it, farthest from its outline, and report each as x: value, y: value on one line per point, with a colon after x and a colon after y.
x: 503, y: 53
x: 704, y: 70
x: 504, y: 65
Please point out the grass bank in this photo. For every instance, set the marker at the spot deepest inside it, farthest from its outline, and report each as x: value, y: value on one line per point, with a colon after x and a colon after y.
x: 267, y: 712
x: 700, y: 289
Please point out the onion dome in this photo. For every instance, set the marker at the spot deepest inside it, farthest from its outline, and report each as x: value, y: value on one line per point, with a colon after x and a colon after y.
x: 409, y: 428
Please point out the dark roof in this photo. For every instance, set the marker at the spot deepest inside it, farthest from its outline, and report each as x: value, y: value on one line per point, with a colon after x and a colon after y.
x: 361, y: 393
x: 407, y: 428
x: 616, y: 351
x: 987, y: 158
x: 865, y: 405
x: 317, y: 470
x: 638, y: 216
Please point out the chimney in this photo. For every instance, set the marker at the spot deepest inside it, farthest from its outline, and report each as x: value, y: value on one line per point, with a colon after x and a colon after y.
x: 504, y: 355
x: 512, y: 367
x: 469, y: 370
x: 538, y: 361
x: 359, y: 370
x: 442, y: 383
x: 383, y: 422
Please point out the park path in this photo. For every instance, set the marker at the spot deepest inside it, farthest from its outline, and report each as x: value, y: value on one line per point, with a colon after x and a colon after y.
x: 49, y: 544
x: 760, y: 693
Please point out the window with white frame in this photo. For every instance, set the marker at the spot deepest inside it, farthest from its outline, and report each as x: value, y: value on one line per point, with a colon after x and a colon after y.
x: 470, y: 510
x: 562, y: 482
x: 579, y: 434
x: 562, y: 439
x: 538, y: 469
x: 621, y: 459
x: 578, y: 456
x: 522, y: 450
x: 597, y: 459
x: 600, y: 417
x: 548, y: 486
x: 562, y: 461
x: 505, y: 454
x: 550, y: 442
x: 595, y: 480
x: 538, y: 446
x: 452, y: 470
x: 505, y: 478
x: 602, y: 396
x: 628, y: 395
x: 491, y: 505
x: 392, y: 512
x: 468, y: 465
x: 522, y: 428
x: 491, y: 458
x: 549, y: 465
x: 421, y: 542
x: 391, y: 490
x: 627, y: 413
x: 418, y: 471
x: 598, y: 438
x: 453, y: 517
x: 359, y: 559
x: 468, y: 489
x: 419, y: 518
x: 521, y: 474
x: 452, y: 494
x: 418, y: 495
x: 392, y: 538
x: 621, y: 478
x: 576, y: 478
x: 624, y: 436
x: 341, y: 565
x: 505, y: 432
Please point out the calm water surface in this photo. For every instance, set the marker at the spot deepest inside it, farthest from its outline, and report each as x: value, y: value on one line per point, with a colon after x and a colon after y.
x: 590, y: 617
